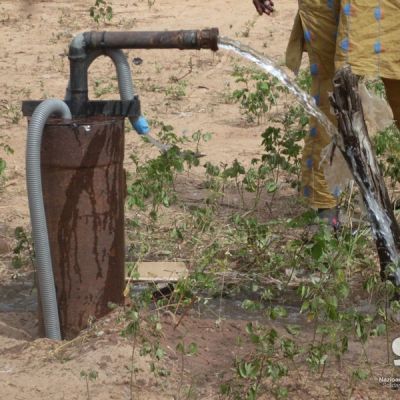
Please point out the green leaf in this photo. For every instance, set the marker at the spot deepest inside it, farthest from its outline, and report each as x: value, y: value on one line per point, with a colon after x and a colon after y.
x: 225, y: 389
x: 303, y: 220
x: 252, y: 393
x: 3, y: 166
x: 360, y: 374
x: 180, y: 347
x: 281, y: 392
x: 317, y: 250
x: 249, y: 328
x: 379, y: 330
x: 247, y: 369
x: 278, y: 312
x: 93, y: 375
x: 293, y: 329
x: 271, y: 187
x: 250, y: 305
x: 192, y: 349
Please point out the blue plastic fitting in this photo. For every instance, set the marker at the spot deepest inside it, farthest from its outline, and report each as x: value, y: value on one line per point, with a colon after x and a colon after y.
x: 141, y: 126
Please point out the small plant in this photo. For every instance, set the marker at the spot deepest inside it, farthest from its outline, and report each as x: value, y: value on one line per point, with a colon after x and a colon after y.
x: 3, y: 165
x: 89, y: 376
x: 101, y: 88
x: 304, y: 80
x: 199, y: 137
x: 176, y: 91
x: 253, y: 371
x: 247, y: 28
x: 8, y: 150
x: 175, y: 79
x: 56, y: 37
x: 283, y: 146
x: 184, y: 351
x: 23, y: 250
x: 376, y: 86
x: 387, y: 148
x: 101, y: 11
x: 10, y: 111
x: 325, y: 298
x: 154, y: 180
x: 143, y: 328
x: 68, y: 20
x: 151, y: 3
x: 259, y: 94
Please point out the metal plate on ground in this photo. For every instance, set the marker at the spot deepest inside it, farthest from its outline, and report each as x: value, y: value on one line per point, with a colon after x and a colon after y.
x: 160, y: 271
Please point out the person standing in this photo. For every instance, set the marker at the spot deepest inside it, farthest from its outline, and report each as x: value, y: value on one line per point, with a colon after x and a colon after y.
x: 364, y: 34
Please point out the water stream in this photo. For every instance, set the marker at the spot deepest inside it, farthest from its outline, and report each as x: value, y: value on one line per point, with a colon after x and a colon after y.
x: 269, y: 67
x: 380, y: 221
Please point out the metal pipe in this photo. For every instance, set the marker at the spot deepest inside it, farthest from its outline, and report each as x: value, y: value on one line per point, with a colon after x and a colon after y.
x: 182, y: 39
x: 89, y: 58
x: 78, y: 74
x: 126, y: 90
x: 40, y: 234
x: 125, y: 84
x: 85, y: 44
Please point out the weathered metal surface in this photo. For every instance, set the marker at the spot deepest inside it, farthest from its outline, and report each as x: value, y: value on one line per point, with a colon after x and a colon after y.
x: 111, y: 108
x: 182, y: 39
x: 84, y: 187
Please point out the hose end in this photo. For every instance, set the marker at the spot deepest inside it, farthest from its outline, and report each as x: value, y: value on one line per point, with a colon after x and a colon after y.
x: 141, y: 125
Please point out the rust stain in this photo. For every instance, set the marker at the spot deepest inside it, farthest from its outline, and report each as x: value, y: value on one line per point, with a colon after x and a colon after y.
x: 84, y: 201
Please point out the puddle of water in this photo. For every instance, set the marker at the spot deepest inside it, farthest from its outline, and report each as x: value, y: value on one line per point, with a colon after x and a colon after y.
x: 18, y: 298
x: 232, y: 308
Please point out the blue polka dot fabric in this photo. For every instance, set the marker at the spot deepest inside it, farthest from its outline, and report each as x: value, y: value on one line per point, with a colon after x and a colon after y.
x: 366, y: 34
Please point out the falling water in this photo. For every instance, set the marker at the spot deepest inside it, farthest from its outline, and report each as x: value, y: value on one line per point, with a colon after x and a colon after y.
x: 269, y: 66
x: 337, y: 180
x: 378, y: 216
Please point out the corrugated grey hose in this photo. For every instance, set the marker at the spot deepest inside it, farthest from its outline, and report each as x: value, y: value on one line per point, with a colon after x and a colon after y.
x: 40, y: 235
x: 126, y: 91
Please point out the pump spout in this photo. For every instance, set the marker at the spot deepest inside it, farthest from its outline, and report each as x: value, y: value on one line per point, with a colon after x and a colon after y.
x: 182, y: 39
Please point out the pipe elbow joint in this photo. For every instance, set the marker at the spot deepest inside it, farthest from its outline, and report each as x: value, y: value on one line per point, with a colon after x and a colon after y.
x: 77, y: 47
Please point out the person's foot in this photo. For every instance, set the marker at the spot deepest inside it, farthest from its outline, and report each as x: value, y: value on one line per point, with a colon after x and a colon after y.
x: 330, y: 216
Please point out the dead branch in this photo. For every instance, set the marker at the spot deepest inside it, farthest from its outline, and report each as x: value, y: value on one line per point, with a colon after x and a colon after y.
x: 355, y: 145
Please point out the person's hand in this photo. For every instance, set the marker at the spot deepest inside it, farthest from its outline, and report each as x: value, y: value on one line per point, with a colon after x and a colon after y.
x: 264, y: 6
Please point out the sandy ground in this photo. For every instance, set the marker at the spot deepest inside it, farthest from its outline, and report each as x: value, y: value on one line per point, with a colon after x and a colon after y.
x: 34, y: 36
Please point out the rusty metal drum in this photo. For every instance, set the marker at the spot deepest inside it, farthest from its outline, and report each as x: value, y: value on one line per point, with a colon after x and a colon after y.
x: 84, y: 189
